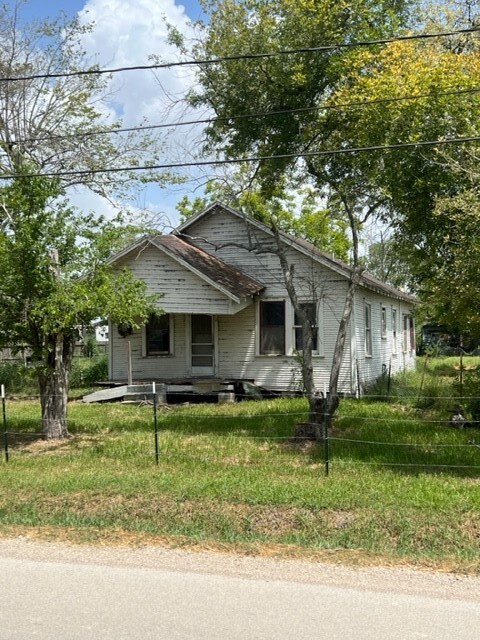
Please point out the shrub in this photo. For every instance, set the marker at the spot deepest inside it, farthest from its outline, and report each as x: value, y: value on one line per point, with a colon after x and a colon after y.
x: 86, y: 372
x: 15, y: 376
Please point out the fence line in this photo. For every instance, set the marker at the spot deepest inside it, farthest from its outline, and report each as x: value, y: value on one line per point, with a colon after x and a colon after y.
x: 410, y: 465
x: 431, y: 445
x: 332, y: 445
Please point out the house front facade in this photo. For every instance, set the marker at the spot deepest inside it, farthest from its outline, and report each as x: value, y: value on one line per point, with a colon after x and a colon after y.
x: 227, y: 315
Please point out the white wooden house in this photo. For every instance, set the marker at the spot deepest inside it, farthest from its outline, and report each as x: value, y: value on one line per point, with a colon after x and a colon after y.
x: 227, y: 314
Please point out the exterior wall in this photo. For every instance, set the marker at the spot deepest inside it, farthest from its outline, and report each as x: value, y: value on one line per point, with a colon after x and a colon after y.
x: 239, y: 357
x: 151, y: 367
x: 167, y: 277
x: 237, y: 336
x: 384, y: 356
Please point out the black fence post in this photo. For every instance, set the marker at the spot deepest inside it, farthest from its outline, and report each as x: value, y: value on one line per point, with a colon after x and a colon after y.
x: 4, y: 416
x: 326, y: 421
x: 155, y: 422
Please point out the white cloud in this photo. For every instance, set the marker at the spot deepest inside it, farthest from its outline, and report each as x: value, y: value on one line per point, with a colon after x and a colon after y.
x: 127, y: 33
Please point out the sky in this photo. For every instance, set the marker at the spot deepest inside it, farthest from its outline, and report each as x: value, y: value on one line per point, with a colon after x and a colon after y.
x: 126, y: 33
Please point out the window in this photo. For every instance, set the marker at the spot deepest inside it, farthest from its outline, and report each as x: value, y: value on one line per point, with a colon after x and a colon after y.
x: 384, y: 322
x: 405, y: 334
x: 368, y: 329
x: 158, y: 335
x: 408, y: 333
x: 272, y: 328
x: 394, y: 331
x: 412, y: 333
x: 311, y: 311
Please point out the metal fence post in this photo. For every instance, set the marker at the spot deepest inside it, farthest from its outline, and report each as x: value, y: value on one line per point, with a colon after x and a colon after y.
x: 326, y: 420
x: 155, y: 421
x: 4, y: 416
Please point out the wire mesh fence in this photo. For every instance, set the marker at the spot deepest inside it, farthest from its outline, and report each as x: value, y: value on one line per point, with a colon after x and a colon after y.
x: 374, y: 431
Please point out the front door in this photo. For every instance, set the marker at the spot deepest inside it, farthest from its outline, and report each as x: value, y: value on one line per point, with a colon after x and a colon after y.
x: 202, y: 345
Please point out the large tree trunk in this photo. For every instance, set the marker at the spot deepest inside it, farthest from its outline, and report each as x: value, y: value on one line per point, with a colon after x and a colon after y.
x: 53, y: 379
x: 333, y: 399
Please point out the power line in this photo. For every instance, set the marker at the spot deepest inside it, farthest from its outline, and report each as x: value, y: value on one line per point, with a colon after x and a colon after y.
x: 242, y: 56
x: 258, y: 114
x: 284, y: 156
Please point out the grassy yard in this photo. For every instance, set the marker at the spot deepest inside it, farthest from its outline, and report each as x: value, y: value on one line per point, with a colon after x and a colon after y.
x: 404, y: 487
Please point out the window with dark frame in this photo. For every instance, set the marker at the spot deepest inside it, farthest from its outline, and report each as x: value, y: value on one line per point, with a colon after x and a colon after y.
x: 394, y: 331
x: 311, y: 310
x: 272, y: 327
x: 368, y: 329
x: 384, y: 322
x: 405, y: 334
x: 158, y: 335
x: 412, y: 333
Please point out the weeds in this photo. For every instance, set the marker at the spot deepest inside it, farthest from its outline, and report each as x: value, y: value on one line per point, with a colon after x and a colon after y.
x: 228, y: 474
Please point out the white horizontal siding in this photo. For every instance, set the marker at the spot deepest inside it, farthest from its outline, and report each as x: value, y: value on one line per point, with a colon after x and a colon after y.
x: 179, y: 288
x: 148, y: 367
x: 383, y: 357
x: 238, y: 354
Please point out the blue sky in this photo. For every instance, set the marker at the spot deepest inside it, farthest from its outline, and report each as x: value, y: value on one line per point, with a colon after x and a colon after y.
x: 50, y: 8
x: 126, y: 33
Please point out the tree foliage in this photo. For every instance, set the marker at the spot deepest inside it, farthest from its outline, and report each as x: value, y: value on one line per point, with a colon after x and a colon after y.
x: 58, y: 120
x: 341, y: 99
x: 55, y: 280
x: 54, y: 136
x: 448, y: 271
x: 431, y: 191
x: 387, y: 259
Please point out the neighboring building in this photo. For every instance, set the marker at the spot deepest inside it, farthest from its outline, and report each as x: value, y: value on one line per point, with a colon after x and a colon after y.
x: 228, y: 315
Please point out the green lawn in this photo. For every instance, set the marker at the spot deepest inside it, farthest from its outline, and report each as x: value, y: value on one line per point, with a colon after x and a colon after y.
x: 402, y: 487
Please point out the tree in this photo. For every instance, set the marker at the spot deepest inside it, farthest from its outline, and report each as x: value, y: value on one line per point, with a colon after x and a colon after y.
x: 307, y: 102
x: 387, y: 259
x: 55, y: 280
x: 294, y: 209
x: 292, y: 90
x: 53, y: 106
x: 448, y: 271
x: 419, y: 91
x: 54, y: 260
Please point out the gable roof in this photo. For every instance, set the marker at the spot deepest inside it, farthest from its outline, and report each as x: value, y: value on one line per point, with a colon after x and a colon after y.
x: 235, y: 284
x: 219, y: 273
x: 367, y: 280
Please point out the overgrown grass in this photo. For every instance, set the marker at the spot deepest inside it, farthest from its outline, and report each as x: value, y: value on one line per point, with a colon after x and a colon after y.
x: 229, y: 474
x: 20, y: 379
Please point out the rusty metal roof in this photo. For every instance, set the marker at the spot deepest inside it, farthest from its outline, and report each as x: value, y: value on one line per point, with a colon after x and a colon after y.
x: 226, y: 277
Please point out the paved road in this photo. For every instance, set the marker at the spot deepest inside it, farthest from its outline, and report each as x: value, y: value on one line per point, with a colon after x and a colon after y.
x: 50, y: 591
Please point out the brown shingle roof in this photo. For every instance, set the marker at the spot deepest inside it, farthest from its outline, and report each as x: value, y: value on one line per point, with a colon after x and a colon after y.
x: 229, y: 278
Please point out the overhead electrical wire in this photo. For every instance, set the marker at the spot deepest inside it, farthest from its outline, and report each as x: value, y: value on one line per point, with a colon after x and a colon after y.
x: 284, y: 156
x: 258, y: 114
x: 242, y: 56
x: 245, y: 116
